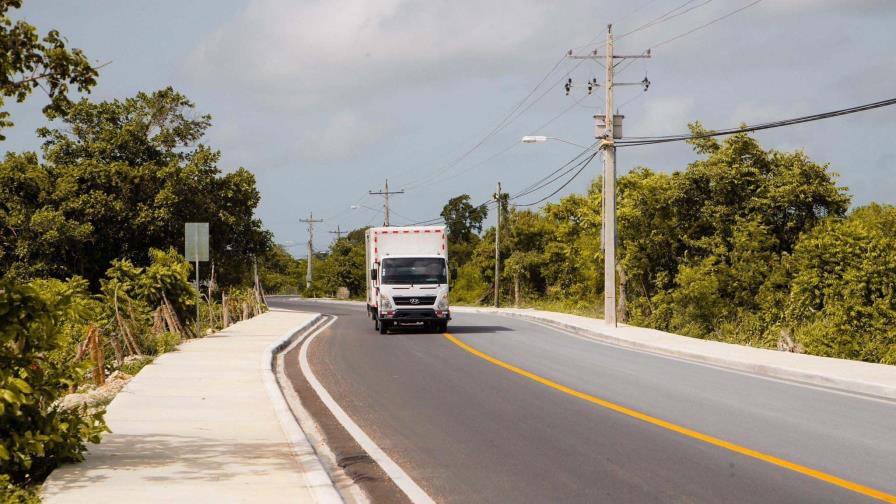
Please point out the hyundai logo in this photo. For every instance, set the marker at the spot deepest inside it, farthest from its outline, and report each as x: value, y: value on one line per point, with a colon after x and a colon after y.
x: 414, y: 301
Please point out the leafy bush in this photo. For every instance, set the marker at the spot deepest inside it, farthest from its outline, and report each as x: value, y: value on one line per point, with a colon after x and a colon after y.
x: 161, y: 343
x: 35, y: 436
x: 168, y: 276
x: 134, y: 365
x: 11, y: 494
x: 843, y: 295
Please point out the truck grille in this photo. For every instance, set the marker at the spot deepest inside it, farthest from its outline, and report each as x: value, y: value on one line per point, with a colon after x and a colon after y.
x: 414, y: 300
x: 427, y: 313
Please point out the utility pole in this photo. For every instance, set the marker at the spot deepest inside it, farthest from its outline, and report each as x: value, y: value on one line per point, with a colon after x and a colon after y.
x: 338, y: 232
x: 498, y: 246
x: 608, y: 135
x: 385, y: 193
x: 310, y: 221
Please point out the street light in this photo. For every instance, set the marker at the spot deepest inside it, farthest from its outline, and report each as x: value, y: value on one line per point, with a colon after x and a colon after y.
x: 531, y: 139
x: 608, y: 233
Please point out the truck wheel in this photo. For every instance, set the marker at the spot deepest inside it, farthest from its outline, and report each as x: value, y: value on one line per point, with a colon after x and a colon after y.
x: 384, y: 327
x: 443, y: 326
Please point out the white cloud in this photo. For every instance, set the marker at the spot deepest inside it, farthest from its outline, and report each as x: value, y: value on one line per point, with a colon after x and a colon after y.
x: 342, y: 136
x: 301, y: 54
x: 855, y: 7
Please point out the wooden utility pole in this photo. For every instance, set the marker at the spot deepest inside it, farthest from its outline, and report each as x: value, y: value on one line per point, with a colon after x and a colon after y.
x: 310, y: 221
x: 385, y: 194
x: 608, y: 135
x: 498, y: 246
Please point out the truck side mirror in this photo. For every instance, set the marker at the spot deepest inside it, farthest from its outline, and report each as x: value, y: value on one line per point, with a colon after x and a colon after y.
x: 453, y: 273
x: 373, y: 273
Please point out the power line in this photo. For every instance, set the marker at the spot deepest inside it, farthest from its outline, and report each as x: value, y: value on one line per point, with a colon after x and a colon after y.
x: 714, y: 21
x: 665, y: 17
x: 535, y: 186
x: 576, y: 174
x: 506, y: 120
x: 635, y: 141
x: 515, y: 143
x: 553, y: 176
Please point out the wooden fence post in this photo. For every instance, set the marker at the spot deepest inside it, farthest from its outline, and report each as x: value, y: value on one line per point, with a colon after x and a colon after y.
x: 225, y: 311
x: 96, y: 355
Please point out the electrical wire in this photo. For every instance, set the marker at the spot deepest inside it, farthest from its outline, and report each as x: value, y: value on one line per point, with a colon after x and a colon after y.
x: 574, y: 175
x: 535, y: 186
x: 665, y: 17
x: 508, y: 118
x: 443, y: 171
x: 714, y: 21
x: 517, y: 143
x: 635, y: 141
x: 544, y: 181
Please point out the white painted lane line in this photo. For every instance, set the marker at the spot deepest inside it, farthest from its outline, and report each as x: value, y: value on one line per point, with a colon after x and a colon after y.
x: 350, y: 491
x: 401, y: 478
x: 316, y: 478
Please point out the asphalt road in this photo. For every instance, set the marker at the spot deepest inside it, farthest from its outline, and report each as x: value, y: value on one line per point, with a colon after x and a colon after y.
x: 468, y: 430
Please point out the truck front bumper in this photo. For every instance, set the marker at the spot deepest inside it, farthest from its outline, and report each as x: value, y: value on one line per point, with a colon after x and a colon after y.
x: 411, y: 315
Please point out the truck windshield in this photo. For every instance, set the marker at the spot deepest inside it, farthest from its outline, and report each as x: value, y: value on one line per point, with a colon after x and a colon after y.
x: 414, y: 270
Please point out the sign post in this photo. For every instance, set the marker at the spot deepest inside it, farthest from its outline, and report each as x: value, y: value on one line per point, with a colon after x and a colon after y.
x: 195, y: 250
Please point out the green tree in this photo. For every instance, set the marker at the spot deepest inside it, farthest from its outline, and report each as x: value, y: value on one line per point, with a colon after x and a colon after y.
x: 32, y: 62
x: 842, y: 299
x: 702, y: 248
x: 120, y: 177
x: 462, y: 218
x: 342, y: 266
x: 280, y: 273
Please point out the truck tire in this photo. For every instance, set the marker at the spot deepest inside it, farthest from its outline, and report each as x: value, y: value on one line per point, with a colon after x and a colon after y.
x: 384, y: 327
x: 442, y: 326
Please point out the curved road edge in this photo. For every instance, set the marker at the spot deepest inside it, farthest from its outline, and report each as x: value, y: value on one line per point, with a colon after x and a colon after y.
x: 395, y: 473
x: 318, y: 480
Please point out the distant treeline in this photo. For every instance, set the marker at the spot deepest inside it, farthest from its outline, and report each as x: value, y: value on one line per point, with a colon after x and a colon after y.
x: 745, y: 245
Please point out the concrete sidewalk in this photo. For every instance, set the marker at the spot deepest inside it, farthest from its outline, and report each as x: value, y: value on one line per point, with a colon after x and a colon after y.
x: 847, y: 375
x: 199, y: 425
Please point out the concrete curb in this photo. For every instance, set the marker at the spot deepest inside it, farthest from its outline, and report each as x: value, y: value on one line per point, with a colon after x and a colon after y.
x: 766, y: 369
x: 319, y: 484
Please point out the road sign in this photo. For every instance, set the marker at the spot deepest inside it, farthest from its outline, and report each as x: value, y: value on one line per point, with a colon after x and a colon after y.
x: 196, y: 241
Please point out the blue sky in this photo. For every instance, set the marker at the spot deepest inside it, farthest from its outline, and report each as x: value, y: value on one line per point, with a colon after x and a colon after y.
x: 323, y: 100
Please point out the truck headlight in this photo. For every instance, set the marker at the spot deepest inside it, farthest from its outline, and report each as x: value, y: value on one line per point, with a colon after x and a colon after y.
x: 443, y: 303
x: 385, y: 302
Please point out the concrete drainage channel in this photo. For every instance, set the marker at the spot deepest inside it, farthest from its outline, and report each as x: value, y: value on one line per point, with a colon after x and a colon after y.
x: 352, y: 471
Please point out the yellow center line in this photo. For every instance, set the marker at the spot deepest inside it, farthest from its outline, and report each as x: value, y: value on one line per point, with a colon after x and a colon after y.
x: 808, y: 471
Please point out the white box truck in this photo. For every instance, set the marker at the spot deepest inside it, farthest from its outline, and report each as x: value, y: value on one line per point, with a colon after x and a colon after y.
x: 407, y: 277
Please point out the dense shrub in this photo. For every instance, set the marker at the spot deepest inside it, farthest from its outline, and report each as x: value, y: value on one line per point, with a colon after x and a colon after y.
x: 35, y: 436
x: 843, y: 295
